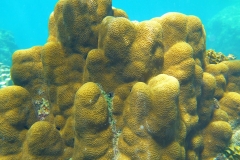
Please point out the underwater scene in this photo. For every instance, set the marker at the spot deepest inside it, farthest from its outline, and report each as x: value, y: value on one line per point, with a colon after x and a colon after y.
x: 119, y: 80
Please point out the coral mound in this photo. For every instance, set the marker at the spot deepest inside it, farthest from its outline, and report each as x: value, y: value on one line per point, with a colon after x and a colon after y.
x: 116, y: 89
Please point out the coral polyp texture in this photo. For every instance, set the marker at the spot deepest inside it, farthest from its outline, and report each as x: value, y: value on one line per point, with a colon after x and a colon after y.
x: 103, y: 87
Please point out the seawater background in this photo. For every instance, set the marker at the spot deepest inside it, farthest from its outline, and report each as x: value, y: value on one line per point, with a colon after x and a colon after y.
x: 28, y: 19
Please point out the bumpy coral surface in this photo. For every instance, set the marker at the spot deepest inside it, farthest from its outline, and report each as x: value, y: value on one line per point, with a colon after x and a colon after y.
x: 117, y: 89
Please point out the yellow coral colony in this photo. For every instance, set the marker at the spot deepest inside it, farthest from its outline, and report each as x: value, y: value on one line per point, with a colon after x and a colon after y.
x: 118, y: 89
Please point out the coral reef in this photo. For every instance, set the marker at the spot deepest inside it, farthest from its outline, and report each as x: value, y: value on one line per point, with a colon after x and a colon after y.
x: 235, y: 140
x: 5, y: 78
x: 7, y: 46
x: 232, y: 152
x: 214, y: 57
x: 223, y: 28
x: 103, y: 87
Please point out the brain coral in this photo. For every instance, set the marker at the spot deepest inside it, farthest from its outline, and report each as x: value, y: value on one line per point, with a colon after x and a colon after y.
x: 117, y: 89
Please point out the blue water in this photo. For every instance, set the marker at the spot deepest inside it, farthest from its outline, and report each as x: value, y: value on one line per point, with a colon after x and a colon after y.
x: 28, y: 19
